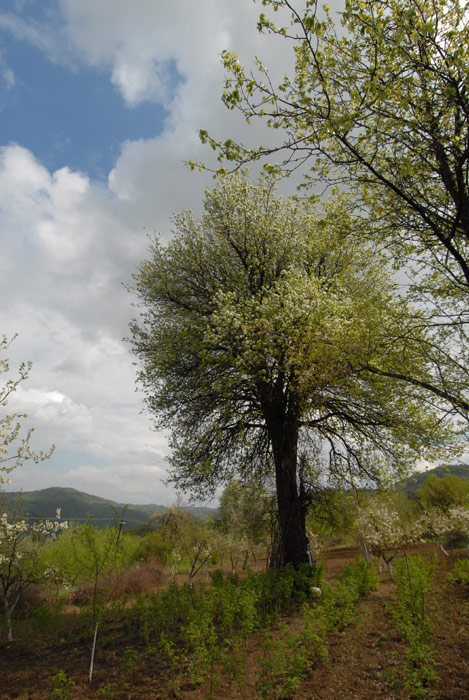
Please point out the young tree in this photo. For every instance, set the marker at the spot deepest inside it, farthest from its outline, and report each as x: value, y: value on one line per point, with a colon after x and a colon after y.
x: 380, y: 105
x: 14, y: 449
x: 245, y: 513
x: 20, y: 563
x: 189, y: 538
x: 258, y: 323
x: 384, y: 529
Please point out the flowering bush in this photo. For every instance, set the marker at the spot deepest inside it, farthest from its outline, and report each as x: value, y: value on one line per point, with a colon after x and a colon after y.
x: 20, y: 565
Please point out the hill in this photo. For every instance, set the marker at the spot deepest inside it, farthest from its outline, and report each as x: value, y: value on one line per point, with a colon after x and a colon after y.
x: 418, y: 478
x: 79, y: 506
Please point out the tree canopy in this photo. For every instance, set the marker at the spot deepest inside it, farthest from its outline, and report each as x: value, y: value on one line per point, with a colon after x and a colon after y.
x: 261, y: 326
x: 379, y: 104
x: 443, y: 492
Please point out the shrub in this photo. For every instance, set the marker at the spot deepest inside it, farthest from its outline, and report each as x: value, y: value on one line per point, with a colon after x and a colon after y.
x: 460, y: 573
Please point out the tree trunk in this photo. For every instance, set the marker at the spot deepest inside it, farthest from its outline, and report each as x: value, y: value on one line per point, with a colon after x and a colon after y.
x: 8, y: 620
x: 293, y: 543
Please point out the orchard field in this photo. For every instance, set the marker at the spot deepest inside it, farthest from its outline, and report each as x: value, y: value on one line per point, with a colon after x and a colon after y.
x: 252, y: 634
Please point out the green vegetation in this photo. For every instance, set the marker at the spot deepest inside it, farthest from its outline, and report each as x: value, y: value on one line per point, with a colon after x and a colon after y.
x: 443, y: 492
x: 276, y: 348
x: 460, y: 573
x: 378, y: 106
x: 413, y: 580
x: 199, y: 634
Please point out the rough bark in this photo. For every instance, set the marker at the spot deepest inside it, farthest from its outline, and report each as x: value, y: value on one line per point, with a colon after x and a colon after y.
x: 292, y: 544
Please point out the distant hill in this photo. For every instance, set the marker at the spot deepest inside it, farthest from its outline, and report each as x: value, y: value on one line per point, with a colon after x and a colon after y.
x: 79, y: 506
x: 418, y: 478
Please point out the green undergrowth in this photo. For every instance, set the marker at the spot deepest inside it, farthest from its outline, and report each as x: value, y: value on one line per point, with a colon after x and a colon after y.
x: 460, y: 573
x: 412, y: 618
x: 288, y: 656
x: 196, y: 637
x: 204, y: 635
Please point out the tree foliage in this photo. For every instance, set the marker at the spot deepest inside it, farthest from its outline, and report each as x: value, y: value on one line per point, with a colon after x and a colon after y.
x: 245, y: 510
x: 379, y: 104
x: 260, y: 326
x: 443, y: 492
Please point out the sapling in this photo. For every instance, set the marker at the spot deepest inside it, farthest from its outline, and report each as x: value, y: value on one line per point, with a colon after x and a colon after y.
x: 190, y: 540
x: 94, y: 556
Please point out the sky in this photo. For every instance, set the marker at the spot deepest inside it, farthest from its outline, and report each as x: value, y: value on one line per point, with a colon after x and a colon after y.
x: 100, y: 108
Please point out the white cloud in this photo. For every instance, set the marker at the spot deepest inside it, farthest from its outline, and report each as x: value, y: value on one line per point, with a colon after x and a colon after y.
x: 32, y: 31
x: 140, y: 42
x: 7, y: 74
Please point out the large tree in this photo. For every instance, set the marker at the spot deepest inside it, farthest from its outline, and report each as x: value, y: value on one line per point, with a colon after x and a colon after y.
x: 259, y: 324
x: 379, y: 103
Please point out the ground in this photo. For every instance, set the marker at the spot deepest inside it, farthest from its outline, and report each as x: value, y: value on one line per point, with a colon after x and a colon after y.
x: 364, y: 659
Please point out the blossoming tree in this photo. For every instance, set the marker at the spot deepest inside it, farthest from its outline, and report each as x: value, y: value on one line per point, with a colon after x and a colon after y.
x: 19, y: 558
x: 258, y: 326
x: 15, y: 448
x: 385, y: 531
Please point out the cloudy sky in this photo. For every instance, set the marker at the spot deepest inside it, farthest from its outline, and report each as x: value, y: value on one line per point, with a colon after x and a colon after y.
x: 100, y: 105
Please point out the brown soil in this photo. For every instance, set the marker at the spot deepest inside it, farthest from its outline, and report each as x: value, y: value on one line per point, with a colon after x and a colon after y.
x: 364, y: 659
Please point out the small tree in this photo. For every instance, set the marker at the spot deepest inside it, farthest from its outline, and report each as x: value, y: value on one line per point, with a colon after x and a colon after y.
x: 88, y: 555
x: 245, y: 513
x: 15, y: 448
x: 19, y: 559
x: 384, y: 530
x: 20, y: 563
x: 439, y: 524
x: 190, y: 538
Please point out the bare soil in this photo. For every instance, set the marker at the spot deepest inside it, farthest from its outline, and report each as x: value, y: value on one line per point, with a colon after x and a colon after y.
x: 364, y: 660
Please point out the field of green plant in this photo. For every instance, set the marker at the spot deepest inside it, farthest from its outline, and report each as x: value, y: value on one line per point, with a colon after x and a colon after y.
x: 178, y: 611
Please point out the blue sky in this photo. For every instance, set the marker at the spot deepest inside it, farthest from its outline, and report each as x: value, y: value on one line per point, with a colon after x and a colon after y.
x: 69, y: 117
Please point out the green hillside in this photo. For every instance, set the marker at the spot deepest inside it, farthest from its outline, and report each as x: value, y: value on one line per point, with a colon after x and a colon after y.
x: 418, y: 478
x: 79, y: 506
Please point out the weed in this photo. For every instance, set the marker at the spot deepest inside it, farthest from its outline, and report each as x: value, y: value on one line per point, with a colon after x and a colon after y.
x: 63, y: 687
x: 128, y: 661
x: 460, y: 573
x: 413, y: 580
x: 362, y: 576
x: 283, y: 665
x: 105, y: 692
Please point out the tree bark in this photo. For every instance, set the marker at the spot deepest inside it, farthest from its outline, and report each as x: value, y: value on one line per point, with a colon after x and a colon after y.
x: 8, y: 620
x: 293, y: 544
